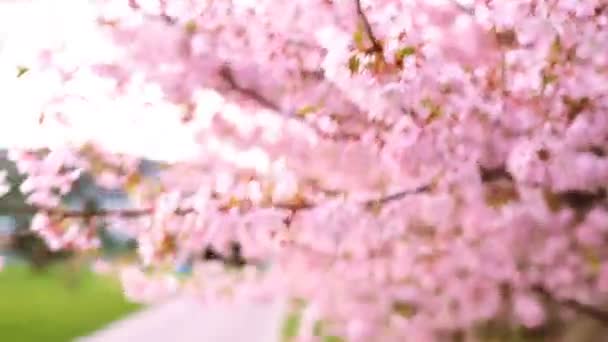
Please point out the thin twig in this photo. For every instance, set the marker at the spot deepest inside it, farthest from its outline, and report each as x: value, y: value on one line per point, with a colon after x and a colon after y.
x: 75, y: 213
x: 397, y: 196
x: 376, y: 46
x: 228, y: 76
x: 588, y: 310
x: 138, y: 212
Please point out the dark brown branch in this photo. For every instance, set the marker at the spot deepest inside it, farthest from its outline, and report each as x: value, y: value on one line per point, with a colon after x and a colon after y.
x: 588, y: 310
x: 293, y: 206
x: 318, y: 75
x: 73, y: 213
x: 235, y: 258
x: 397, y: 196
x: 494, y: 174
x: 228, y: 76
x: 376, y: 46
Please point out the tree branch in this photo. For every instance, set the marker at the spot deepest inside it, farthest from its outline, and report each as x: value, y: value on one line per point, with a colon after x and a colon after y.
x: 74, y: 213
x: 228, y: 76
x: 588, y: 310
x: 397, y: 196
x: 292, y: 206
x: 318, y: 75
x: 376, y: 46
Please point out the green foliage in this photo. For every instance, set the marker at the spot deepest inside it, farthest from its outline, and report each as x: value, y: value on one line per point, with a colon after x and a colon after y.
x: 433, y: 108
x: 304, y: 111
x: 402, y: 53
x: 359, y: 37
x: 354, y: 64
x: 191, y: 27
x: 292, y: 326
x: 21, y: 70
x: 41, y: 306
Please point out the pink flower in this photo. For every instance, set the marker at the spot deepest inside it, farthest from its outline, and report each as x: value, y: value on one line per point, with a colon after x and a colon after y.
x: 602, y: 282
x: 40, y: 221
x: 528, y: 310
x: 301, y: 129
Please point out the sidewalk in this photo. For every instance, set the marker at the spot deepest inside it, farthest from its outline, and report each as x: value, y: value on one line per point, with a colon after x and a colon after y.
x: 184, y: 320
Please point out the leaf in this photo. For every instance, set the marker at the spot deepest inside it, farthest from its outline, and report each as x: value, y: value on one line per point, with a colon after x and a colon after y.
x: 404, y: 309
x: 433, y: 108
x: 555, y: 51
x: 375, y: 207
x: 576, y: 106
x: 233, y: 202
x: 548, y: 78
x: 359, y: 37
x: 307, y: 110
x: 403, y: 53
x: 593, y: 260
x: 291, y: 326
x: 191, y: 27
x: 354, y: 64
x: 317, y: 330
x: 500, y: 194
x: 21, y: 70
x: 507, y: 38
x: 552, y: 200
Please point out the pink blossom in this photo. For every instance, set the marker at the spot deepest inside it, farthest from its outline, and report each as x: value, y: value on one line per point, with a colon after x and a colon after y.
x: 40, y: 221
x: 395, y: 167
x: 602, y: 282
x: 529, y: 310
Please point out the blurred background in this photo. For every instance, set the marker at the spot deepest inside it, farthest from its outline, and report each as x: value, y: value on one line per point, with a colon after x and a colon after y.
x: 55, y: 296
x: 46, y: 296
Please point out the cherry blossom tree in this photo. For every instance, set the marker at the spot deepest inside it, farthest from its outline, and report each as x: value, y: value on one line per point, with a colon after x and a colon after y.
x: 420, y: 170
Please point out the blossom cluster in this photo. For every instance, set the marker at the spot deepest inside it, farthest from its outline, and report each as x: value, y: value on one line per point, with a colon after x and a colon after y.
x: 421, y: 170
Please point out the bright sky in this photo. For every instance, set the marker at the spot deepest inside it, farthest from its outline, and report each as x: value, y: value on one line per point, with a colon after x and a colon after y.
x: 23, y: 22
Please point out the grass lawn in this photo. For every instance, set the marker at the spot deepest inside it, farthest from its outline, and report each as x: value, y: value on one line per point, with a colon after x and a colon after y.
x: 45, y: 307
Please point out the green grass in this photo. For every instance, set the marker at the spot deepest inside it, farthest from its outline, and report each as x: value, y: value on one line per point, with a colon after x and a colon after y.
x: 56, y: 305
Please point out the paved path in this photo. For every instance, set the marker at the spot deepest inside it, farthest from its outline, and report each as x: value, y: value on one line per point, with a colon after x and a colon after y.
x: 184, y: 320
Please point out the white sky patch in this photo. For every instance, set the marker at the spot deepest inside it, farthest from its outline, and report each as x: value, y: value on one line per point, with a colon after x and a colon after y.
x: 24, y: 25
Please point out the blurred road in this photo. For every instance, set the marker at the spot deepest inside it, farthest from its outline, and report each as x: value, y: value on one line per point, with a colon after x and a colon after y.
x: 184, y: 320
